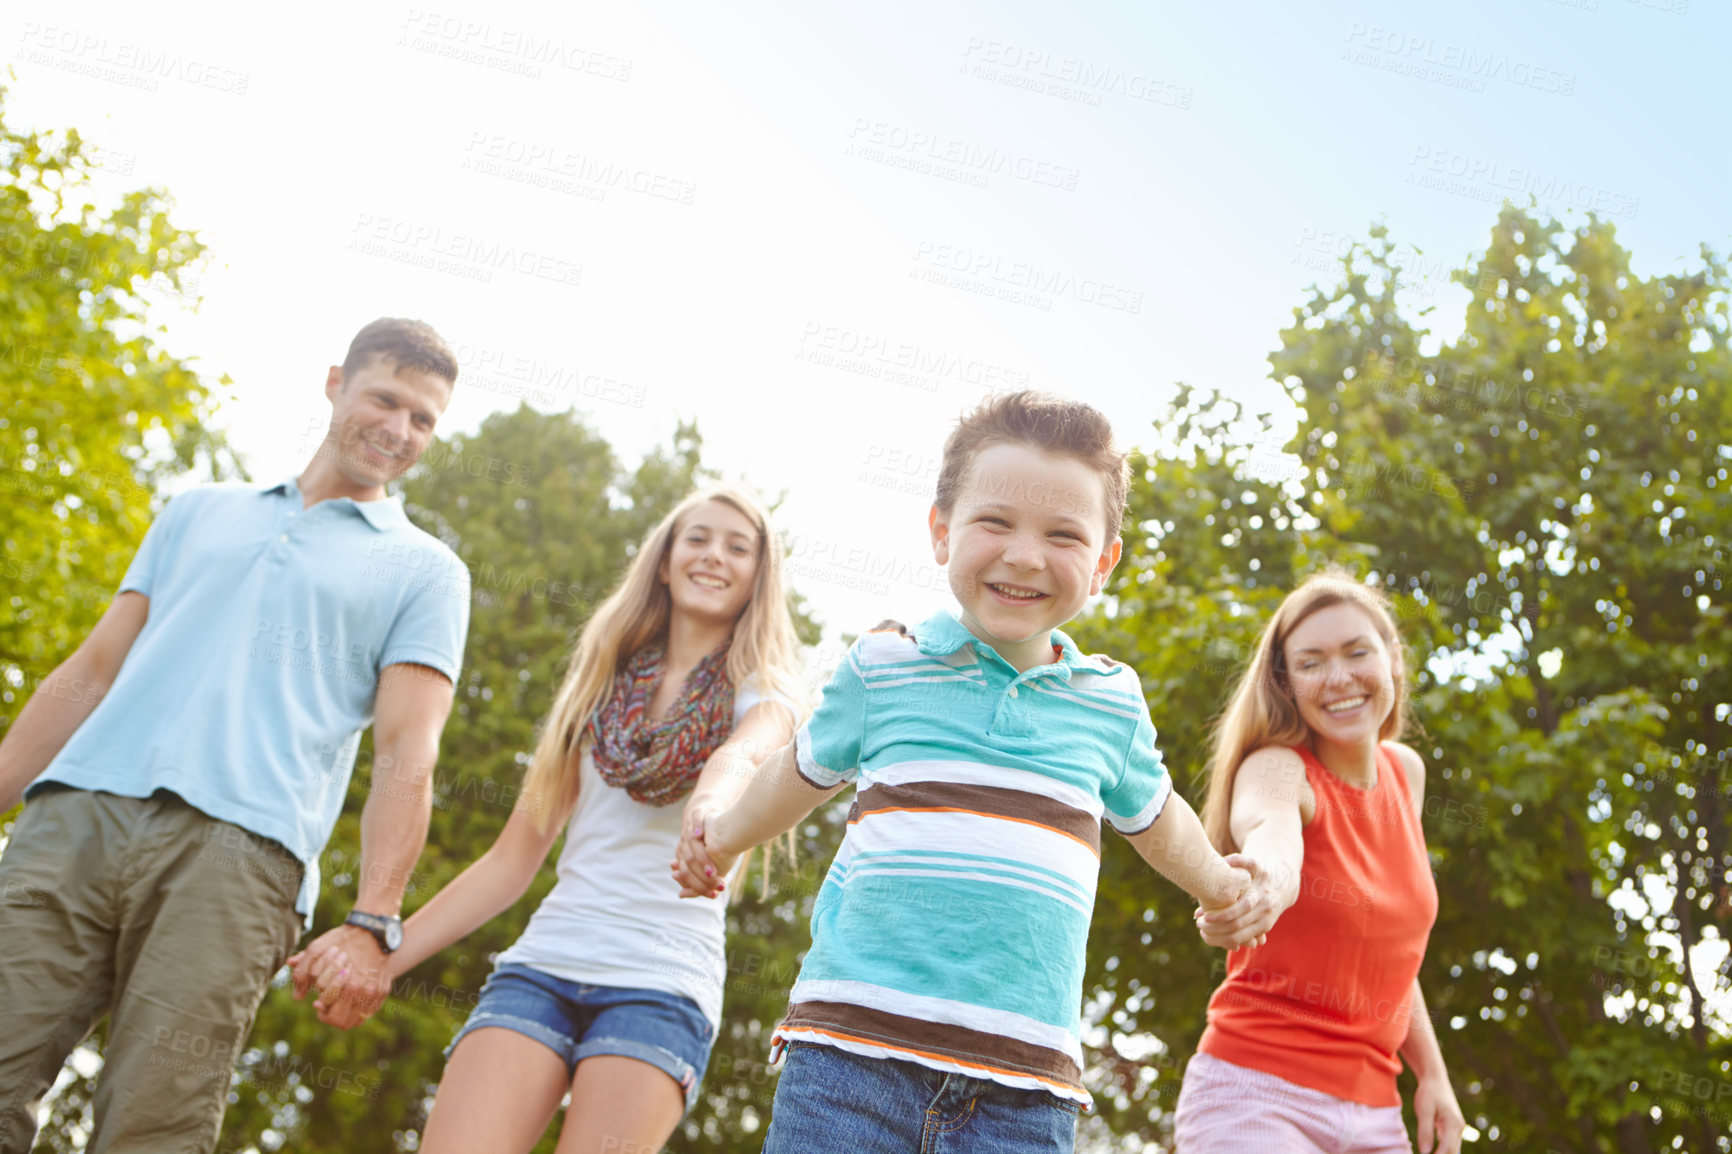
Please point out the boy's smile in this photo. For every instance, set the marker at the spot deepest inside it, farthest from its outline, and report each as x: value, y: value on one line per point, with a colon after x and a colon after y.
x: 1025, y: 547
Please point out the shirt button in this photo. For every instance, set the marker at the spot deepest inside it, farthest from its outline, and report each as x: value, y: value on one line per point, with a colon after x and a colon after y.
x: 1013, y: 691
x: 284, y: 537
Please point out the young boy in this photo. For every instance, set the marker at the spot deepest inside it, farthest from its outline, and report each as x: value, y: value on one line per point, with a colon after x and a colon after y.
x: 941, y: 999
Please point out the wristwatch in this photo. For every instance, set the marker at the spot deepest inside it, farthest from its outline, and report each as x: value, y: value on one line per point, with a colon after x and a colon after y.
x: 389, y: 930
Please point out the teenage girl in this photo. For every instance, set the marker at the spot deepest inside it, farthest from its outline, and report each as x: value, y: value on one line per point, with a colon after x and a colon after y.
x: 683, y: 680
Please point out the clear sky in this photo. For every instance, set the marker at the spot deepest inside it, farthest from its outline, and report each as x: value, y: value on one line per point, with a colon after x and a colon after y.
x: 824, y: 231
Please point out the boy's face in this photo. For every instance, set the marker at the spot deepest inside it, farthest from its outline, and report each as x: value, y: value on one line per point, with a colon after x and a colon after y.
x: 1025, y: 546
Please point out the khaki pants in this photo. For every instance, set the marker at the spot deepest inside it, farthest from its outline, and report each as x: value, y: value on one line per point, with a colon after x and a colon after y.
x: 167, y: 920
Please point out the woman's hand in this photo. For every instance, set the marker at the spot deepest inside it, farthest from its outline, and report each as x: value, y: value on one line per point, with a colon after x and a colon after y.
x: 1248, y: 920
x: 699, y: 866
x: 1439, y: 1116
x: 345, y: 992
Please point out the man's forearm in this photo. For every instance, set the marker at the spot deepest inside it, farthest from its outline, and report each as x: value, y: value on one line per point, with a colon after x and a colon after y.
x: 394, y: 824
x: 61, y: 703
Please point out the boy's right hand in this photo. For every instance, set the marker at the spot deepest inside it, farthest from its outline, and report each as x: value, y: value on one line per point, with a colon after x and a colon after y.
x: 700, y: 867
x: 1246, y: 918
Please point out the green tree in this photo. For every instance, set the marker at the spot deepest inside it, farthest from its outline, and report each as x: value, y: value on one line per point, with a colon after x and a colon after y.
x: 94, y: 414
x: 1544, y: 495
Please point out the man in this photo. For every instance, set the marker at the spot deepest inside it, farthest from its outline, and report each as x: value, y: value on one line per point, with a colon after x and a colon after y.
x: 185, y: 766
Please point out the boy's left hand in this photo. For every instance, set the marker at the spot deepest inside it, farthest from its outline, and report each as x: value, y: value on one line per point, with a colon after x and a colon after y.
x: 1248, y: 920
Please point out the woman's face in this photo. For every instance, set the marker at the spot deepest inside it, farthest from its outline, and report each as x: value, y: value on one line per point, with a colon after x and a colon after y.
x: 712, y: 566
x: 1342, y: 674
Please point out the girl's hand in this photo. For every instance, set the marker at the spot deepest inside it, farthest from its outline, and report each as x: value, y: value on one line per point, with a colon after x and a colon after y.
x: 698, y: 866
x: 324, y: 969
x: 1248, y: 920
x: 1439, y: 1116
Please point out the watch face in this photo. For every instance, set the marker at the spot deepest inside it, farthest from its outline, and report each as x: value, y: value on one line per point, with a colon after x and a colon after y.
x: 393, y: 934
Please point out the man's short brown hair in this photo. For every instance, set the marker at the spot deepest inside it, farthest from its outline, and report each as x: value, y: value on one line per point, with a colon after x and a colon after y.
x: 404, y: 344
x: 1040, y: 421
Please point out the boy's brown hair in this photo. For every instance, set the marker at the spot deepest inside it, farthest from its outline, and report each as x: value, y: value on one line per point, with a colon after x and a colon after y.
x: 404, y: 344
x: 1040, y: 421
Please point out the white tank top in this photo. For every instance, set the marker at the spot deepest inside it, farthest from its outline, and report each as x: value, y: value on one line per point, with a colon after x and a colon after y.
x: 615, y: 917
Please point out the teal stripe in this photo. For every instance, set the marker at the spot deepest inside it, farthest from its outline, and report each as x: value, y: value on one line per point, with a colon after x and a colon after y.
x: 1034, y: 885
x: 1008, y: 949
x: 925, y: 854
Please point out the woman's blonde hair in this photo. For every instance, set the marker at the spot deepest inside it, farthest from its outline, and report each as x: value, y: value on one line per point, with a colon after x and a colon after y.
x: 1262, y: 710
x: 635, y: 614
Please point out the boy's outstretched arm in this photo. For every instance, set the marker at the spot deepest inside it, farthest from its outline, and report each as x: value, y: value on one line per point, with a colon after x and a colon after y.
x: 1180, y: 851
x: 774, y: 802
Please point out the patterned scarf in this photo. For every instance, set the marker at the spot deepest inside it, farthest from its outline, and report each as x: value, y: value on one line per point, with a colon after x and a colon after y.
x: 658, y: 762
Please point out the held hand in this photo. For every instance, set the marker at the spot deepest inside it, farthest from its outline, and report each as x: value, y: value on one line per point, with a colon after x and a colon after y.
x: 324, y: 970
x: 312, y: 962
x: 1439, y: 1116
x: 698, y: 866
x: 350, y: 972
x: 1248, y: 920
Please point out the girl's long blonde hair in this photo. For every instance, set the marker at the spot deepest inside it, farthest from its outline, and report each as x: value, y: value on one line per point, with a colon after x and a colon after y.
x: 1262, y: 710
x: 635, y: 614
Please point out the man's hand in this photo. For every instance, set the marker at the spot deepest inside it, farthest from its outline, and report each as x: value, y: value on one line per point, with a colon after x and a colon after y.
x: 699, y: 865
x: 1248, y: 920
x: 350, y: 974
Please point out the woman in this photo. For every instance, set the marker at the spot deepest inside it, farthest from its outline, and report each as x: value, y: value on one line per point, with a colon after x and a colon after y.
x: 682, y: 681
x: 1301, y: 1050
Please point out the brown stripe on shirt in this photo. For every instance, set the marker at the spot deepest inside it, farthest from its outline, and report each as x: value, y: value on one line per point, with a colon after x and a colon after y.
x: 937, y: 1039
x: 987, y: 800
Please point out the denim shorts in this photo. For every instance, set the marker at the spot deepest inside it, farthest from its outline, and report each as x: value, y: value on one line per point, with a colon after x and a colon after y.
x: 829, y: 1099
x: 577, y: 1021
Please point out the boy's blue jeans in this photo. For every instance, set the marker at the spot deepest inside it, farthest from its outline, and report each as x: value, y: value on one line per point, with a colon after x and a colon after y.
x: 829, y: 1099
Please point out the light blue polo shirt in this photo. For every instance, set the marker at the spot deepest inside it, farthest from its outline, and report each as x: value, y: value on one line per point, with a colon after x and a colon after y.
x: 248, y: 688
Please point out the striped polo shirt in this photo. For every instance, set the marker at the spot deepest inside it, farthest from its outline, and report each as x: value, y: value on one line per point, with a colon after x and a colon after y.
x: 950, y: 931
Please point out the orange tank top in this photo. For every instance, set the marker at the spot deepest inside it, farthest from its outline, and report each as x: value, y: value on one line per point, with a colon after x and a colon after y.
x: 1324, y: 1002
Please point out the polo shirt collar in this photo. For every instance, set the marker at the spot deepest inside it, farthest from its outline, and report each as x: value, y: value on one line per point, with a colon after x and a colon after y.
x: 384, y: 514
x: 942, y: 635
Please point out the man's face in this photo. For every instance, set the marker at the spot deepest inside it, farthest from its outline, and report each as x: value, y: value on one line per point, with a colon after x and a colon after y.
x: 382, y: 420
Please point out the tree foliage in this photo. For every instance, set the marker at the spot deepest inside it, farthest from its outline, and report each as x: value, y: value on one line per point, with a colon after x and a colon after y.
x: 1545, y: 497
x: 94, y: 414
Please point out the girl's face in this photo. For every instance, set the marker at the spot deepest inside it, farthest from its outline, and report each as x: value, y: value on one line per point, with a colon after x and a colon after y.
x: 712, y: 566
x: 1342, y: 674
